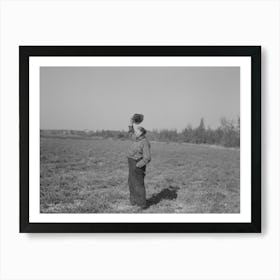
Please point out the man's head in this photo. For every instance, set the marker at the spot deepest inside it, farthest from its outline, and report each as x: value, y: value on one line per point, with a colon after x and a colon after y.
x: 140, y: 131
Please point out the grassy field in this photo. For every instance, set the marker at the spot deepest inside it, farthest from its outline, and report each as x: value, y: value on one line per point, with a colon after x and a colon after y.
x: 90, y: 176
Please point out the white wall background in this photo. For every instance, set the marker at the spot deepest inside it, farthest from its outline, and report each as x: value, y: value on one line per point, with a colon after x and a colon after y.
x: 139, y: 256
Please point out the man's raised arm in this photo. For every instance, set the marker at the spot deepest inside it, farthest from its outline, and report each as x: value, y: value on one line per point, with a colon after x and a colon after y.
x: 130, y: 127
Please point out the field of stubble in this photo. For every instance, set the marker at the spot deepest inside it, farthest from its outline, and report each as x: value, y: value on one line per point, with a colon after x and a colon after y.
x: 90, y: 176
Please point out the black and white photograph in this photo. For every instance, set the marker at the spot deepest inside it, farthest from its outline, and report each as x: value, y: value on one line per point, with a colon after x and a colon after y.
x: 141, y: 138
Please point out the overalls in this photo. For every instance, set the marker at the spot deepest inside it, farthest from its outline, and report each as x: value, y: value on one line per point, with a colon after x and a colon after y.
x: 136, y: 183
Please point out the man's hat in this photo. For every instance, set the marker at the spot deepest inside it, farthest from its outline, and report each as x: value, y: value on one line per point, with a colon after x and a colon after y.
x: 138, y: 118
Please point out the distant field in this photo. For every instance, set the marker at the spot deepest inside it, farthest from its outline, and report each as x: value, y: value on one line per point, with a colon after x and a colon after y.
x: 90, y: 176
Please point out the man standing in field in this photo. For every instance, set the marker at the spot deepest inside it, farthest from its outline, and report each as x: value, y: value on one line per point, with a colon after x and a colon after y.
x: 139, y: 155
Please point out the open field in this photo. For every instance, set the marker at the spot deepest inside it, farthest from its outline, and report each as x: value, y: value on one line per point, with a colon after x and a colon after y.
x: 90, y: 176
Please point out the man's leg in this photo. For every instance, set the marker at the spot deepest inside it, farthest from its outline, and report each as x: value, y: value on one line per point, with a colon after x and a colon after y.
x: 130, y: 182
x: 139, y: 186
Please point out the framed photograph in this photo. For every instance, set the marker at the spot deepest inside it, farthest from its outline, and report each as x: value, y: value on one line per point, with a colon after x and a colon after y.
x: 140, y: 139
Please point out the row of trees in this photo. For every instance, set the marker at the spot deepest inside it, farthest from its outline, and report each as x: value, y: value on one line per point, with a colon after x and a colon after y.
x: 227, y: 134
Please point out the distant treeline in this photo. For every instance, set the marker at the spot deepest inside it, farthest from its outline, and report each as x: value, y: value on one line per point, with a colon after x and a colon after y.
x: 227, y: 134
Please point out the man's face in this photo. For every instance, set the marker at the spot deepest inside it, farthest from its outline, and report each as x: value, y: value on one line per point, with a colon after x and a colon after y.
x: 137, y: 131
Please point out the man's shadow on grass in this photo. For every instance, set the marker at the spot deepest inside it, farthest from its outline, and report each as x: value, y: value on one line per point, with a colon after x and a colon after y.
x: 169, y: 193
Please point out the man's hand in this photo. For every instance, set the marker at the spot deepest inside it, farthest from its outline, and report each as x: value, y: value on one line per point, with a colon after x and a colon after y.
x: 139, y: 164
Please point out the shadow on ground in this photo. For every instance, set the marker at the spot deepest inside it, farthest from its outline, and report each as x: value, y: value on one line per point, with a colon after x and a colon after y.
x: 169, y: 193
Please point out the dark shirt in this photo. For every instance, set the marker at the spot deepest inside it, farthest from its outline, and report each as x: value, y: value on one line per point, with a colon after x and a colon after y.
x: 139, y: 148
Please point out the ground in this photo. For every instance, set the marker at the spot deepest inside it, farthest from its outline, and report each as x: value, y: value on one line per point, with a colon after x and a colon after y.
x: 90, y: 176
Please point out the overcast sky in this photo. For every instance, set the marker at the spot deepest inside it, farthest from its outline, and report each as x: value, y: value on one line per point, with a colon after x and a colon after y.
x: 105, y: 97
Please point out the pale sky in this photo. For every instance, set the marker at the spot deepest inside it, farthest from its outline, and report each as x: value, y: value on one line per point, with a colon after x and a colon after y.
x: 105, y: 97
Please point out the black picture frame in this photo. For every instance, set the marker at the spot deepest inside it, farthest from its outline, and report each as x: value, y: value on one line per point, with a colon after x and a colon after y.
x: 25, y: 52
